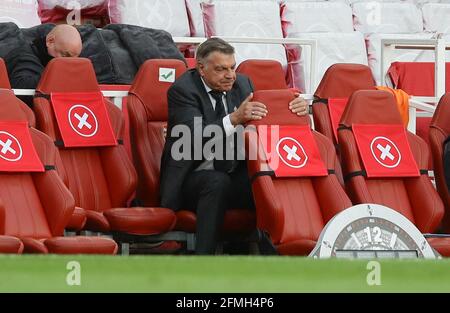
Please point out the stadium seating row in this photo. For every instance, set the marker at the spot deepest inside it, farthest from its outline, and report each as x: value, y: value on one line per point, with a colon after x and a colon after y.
x: 33, y: 12
x: 80, y: 188
x: 100, y: 180
x: 346, y: 31
x: 292, y: 220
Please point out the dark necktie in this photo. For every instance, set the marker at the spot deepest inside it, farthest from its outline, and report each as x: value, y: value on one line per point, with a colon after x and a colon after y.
x: 221, y: 165
x: 219, y: 108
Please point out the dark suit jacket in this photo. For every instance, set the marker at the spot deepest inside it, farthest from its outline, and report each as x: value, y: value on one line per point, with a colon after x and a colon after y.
x: 187, y: 98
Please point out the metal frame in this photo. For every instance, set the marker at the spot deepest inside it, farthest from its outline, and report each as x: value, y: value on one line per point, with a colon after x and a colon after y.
x: 118, y: 95
x: 283, y: 41
x: 126, y: 240
x: 439, y: 46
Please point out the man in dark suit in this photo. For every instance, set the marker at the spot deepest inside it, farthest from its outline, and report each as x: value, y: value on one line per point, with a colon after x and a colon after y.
x: 26, y: 63
x: 212, y: 95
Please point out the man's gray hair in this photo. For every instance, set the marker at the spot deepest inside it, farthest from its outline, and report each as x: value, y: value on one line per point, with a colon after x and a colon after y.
x: 212, y: 45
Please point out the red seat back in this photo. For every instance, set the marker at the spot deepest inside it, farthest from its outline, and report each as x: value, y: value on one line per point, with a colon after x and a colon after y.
x: 4, y: 80
x: 339, y: 81
x: 37, y: 205
x: 439, y: 131
x: 100, y: 178
x: 416, y: 78
x: 293, y: 210
x: 148, y: 110
x: 21, y: 111
x: 413, y: 197
x: 264, y: 74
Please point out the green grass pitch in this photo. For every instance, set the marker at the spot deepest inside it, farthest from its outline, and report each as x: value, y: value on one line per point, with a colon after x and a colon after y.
x: 31, y: 273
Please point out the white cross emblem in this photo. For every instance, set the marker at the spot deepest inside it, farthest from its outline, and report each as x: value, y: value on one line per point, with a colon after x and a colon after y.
x: 292, y: 152
x: 296, y: 156
x: 390, y: 155
x: 78, y: 116
x: 385, y: 152
x: 83, y: 121
x: 6, y: 147
x: 7, y: 152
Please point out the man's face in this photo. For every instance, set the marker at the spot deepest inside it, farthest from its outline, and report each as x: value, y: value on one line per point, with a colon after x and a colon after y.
x: 58, y: 48
x: 219, y: 71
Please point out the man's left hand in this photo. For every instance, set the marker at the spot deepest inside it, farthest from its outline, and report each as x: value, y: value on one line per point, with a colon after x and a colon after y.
x: 299, y: 105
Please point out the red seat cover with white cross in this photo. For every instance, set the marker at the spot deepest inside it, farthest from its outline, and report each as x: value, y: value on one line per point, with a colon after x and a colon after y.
x: 83, y: 119
x: 17, y: 152
x: 291, y: 151
x: 385, y: 150
x: 336, y: 107
x: 338, y: 83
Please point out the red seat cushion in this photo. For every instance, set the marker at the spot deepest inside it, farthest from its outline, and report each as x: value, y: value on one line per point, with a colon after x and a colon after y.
x: 441, y: 245
x: 96, y: 221
x: 81, y: 245
x: 10, y: 244
x: 235, y: 221
x: 141, y: 221
x: 239, y: 221
x: 297, y: 247
x: 32, y: 245
x: 77, y: 220
x: 186, y: 221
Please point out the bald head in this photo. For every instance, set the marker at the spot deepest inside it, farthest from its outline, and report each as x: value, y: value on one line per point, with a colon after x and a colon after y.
x: 64, y: 41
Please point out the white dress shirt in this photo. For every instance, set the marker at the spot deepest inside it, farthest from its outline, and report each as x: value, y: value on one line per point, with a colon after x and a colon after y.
x: 208, y: 164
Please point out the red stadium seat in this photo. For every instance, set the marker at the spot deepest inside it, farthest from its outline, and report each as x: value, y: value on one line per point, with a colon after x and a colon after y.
x: 4, y: 80
x: 264, y: 74
x: 102, y: 179
x: 339, y: 81
x: 414, y: 197
x: 417, y: 79
x: 148, y: 115
x: 292, y: 210
x: 37, y: 205
x: 9, y: 244
x: 148, y: 118
x: 78, y: 219
x: 439, y: 131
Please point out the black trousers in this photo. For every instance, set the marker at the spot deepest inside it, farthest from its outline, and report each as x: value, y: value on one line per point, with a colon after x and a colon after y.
x: 210, y: 193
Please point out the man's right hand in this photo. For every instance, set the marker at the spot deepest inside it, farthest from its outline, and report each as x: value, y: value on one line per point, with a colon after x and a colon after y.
x: 248, y: 111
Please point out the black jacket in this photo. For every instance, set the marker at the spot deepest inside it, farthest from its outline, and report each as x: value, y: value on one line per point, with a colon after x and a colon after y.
x: 187, y: 98
x: 116, y: 52
x: 26, y: 61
